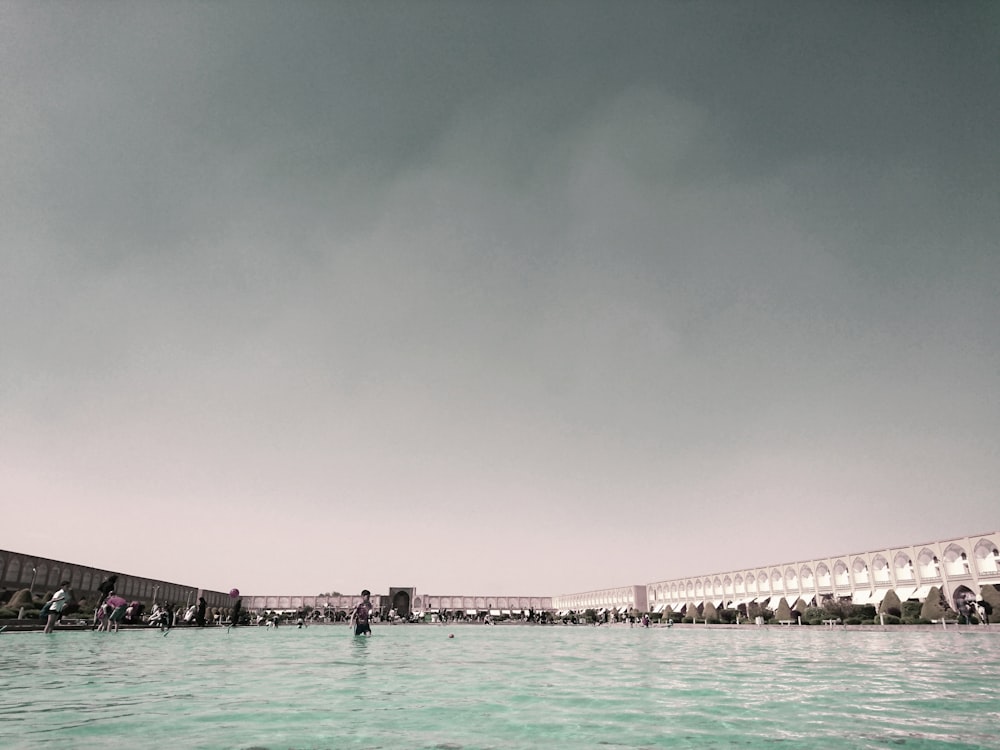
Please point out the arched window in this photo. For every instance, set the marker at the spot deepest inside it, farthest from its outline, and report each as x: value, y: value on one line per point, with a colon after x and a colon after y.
x: 823, y: 574
x: 840, y: 574
x: 955, y: 560
x: 987, y: 556
x: 903, y: 565
x: 777, y: 583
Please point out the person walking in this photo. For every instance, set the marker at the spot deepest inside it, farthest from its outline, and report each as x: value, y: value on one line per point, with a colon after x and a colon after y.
x: 57, y: 604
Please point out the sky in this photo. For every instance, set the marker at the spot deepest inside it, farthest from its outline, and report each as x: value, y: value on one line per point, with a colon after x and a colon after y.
x: 509, y: 298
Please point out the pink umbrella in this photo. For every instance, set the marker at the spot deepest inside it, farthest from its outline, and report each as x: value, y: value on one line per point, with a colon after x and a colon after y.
x: 234, y: 593
x: 116, y: 601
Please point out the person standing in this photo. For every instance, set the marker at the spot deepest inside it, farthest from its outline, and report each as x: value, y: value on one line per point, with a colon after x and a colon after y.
x: 57, y: 604
x: 107, y: 586
x: 199, y: 615
x: 362, y: 614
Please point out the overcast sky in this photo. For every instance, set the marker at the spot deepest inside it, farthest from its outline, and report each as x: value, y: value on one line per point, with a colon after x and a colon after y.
x: 495, y: 297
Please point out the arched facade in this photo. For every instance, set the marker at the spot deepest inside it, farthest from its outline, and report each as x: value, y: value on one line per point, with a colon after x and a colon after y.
x: 43, y: 575
x: 954, y: 566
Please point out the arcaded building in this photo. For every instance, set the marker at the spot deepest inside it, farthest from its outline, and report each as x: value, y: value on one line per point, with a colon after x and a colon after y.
x: 957, y: 567
x: 43, y: 574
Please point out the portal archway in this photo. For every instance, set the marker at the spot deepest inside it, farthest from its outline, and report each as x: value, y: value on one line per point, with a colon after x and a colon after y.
x: 401, y: 603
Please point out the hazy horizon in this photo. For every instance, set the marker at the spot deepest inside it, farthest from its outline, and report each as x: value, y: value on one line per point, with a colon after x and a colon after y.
x: 508, y: 298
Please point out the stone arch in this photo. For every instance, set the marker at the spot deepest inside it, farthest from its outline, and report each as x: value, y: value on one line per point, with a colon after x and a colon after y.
x: 26, y: 572
x: 840, y: 574
x: 961, y: 597
x: 984, y: 549
x: 777, y: 582
x: 806, y: 574
x: 823, y: 573
x: 956, y: 559
x: 13, y: 569
x: 763, y: 583
x: 401, y: 603
x: 879, y: 562
x: 859, y: 565
x: 926, y: 557
x: 791, y: 577
x: 953, y: 552
x: 903, y: 564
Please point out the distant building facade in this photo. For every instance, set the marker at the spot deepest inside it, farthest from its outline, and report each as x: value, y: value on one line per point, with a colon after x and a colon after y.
x: 43, y: 575
x: 957, y: 567
x: 405, y: 600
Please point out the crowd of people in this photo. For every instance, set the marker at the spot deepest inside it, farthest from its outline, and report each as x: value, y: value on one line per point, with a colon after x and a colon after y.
x: 113, y: 610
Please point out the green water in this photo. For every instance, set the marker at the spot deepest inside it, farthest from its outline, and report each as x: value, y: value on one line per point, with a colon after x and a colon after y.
x: 501, y: 687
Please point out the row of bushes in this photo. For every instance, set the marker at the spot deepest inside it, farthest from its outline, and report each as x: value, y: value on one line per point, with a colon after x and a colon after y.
x: 891, y: 611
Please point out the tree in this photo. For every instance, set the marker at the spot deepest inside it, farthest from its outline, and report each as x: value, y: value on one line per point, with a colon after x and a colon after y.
x: 933, y: 608
x: 989, y: 594
x: 891, y: 604
x: 783, y: 612
x: 710, y: 613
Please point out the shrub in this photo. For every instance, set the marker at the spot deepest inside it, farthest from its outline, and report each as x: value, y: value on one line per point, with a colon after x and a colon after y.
x: 863, y: 611
x: 891, y: 619
x: 6, y: 613
x: 933, y: 607
x: 20, y: 599
x: 709, y: 613
x: 911, y: 612
x: 891, y: 604
x: 990, y: 597
x: 783, y: 611
x: 852, y: 621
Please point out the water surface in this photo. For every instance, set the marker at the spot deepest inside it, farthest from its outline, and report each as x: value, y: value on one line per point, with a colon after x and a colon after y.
x: 501, y: 687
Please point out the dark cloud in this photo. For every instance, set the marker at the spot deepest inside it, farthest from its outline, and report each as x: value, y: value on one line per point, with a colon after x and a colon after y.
x: 531, y: 267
